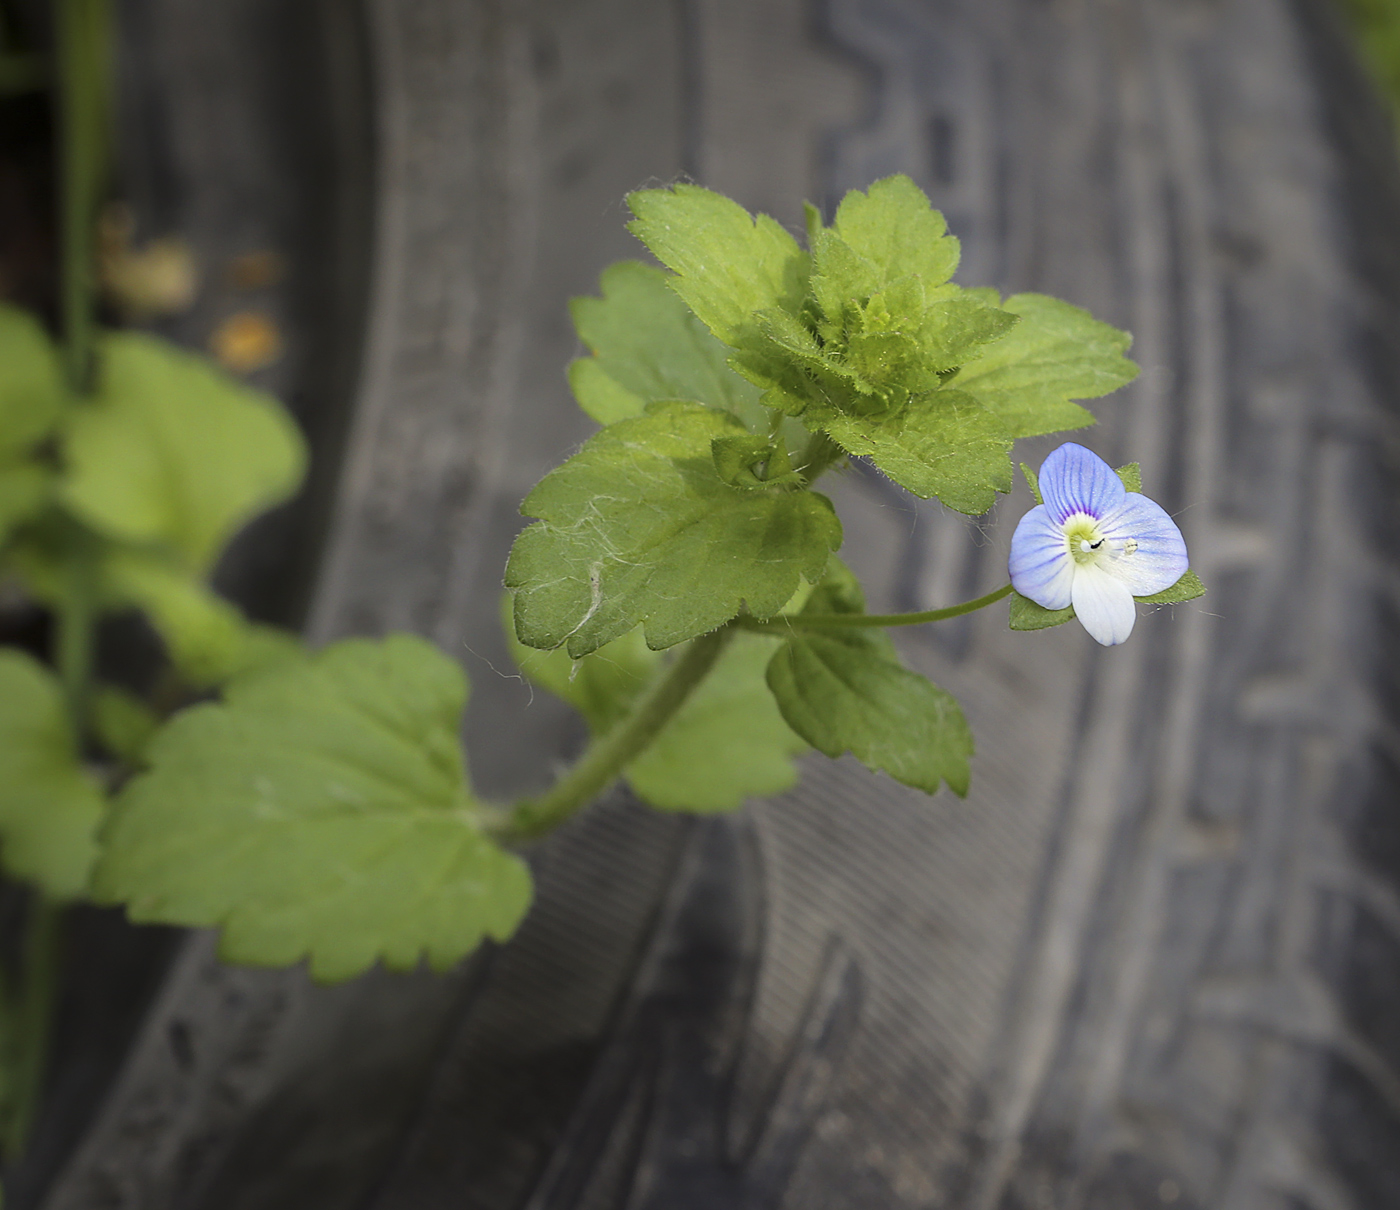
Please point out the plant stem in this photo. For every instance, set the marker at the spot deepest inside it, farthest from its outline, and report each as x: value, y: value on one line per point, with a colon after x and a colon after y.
x: 84, y: 39
x: 826, y: 621
x: 820, y: 453
x: 605, y: 758
x: 31, y: 1014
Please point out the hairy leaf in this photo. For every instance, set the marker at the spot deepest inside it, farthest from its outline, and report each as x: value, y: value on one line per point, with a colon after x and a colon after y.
x: 170, y: 451
x: 639, y: 527
x: 650, y: 347
x: 728, y: 265
x: 50, y: 807
x: 1056, y: 354
x: 320, y: 811
x: 892, y: 227
x: 942, y: 444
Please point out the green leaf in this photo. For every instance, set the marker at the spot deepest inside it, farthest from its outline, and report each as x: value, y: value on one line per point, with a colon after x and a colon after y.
x: 170, y: 451
x: 1188, y: 588
x: 728, y: 265
x: 31, y: 388
x: 893, y: 227
x: 1027, y: 615
x: 726, y: 744
x: 1057, y: 353
x: 50, y: 807
x: 1130, y: 476
x: 123, y: 722
x: 847, y: 691
x: 639, y: 527
x: 601, y: 396
x: 208, y: 638
x: 320, y: 811
x: 25, y: 487
x: 942, y: 444
x: 648, y: 347
x: 1033, y: 482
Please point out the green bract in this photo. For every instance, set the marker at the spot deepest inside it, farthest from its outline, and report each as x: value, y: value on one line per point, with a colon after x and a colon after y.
x: 49, y: 806
x: 638, y: 527
x: 322, y: 811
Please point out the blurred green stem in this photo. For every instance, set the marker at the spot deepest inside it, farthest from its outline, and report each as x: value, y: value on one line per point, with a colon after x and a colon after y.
x: 84, y: 41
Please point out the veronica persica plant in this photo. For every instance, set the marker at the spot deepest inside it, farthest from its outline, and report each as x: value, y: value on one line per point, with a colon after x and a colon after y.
x: 679, y: 583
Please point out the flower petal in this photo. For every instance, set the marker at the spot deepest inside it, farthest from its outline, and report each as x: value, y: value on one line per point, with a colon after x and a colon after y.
x: 1104, y: 604
x: 1040, y: 564
x: 1159, y: 559
x: 1076, y: 480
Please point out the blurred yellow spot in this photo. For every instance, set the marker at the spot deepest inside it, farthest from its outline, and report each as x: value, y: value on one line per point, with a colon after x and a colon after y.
x: 246, y: 342
x: 157, y: 278
x: 255, y: 270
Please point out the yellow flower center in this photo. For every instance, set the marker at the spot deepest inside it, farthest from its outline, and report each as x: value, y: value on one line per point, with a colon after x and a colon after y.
x: 1083, y: 538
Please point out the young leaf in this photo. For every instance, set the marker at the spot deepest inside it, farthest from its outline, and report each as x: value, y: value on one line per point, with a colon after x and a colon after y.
x: 49, y: 806
x: 893, y: 227
x: 847, y: 691
x: 727, y: 264
x: 650, y: 347
x: 1027, y: 615
x: 170, y: 451
x: 1057, y: 353
x: 639, y: 527
x: 1188, y: 588
x: 942, y: 444
x: 320, y: 811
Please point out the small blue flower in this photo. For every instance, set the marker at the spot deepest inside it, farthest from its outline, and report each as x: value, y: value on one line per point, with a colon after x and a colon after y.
x: 1094, y: 545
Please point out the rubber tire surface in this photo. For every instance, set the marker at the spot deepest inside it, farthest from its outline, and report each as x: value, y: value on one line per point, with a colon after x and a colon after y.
x: 1154, y: 959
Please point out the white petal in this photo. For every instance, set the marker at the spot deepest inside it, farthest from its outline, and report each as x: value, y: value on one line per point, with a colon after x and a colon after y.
x: 1041, y: 566
x: 1158, y: 558
x: 1104, y: 604
x: 1076, y: 480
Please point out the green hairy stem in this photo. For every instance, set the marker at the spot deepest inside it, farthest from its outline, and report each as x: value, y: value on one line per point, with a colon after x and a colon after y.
x: 817, y: 621
x: 604, y: 760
